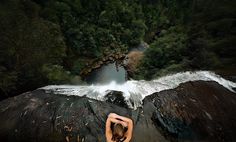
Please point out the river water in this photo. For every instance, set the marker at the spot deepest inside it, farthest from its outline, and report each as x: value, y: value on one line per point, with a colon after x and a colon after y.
x: 112, y: 71
x: 107, y: 73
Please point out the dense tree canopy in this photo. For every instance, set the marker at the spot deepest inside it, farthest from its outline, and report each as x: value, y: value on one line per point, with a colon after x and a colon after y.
x: 50, y: 41
x: 196, y: 34
x: 28, y: 44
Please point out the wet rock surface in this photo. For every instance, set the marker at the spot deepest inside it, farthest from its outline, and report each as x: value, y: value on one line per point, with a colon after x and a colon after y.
x: 194, y: 111
x: 116, y: 98
x: 38, y: 116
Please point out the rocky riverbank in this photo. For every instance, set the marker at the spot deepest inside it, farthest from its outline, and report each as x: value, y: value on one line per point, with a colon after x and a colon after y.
x: 98, y: 63
x: 129, y: 60
x: 194, y: 111
x: 132, y: 61
x: 134, y: 57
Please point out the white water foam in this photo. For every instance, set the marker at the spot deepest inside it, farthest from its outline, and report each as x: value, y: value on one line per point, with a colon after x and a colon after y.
x: 135, y: 91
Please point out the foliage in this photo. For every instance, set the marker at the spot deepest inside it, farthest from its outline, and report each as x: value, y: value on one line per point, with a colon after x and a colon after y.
x: 169, y: 49
x: 27, y: 44
x: 50, y: 41
x: 199, y: 35
x: 93, y: 27
x: 55, y: 74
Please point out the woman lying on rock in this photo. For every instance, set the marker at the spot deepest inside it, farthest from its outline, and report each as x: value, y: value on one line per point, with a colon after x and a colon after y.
x: 118, y: 128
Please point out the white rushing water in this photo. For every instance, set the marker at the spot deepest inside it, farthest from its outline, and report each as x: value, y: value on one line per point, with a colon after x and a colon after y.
x: 135, y: 91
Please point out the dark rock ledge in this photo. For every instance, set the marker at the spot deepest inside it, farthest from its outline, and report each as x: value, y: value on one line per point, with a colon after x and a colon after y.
x: 194, y: 111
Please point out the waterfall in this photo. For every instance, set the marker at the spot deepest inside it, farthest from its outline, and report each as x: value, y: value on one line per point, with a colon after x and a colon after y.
x: 135, y: 91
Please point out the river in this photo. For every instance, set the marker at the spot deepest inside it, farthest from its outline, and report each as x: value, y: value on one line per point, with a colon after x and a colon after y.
x: 107, y: 73
x: 113, y: 71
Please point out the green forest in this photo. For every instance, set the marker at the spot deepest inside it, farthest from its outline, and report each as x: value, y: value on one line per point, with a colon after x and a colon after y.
x: 50, y: 41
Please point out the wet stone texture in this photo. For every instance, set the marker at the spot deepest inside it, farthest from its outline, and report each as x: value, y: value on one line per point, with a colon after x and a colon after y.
x: 194, y: 111
x: 116, y: 98
x: 37, y: 116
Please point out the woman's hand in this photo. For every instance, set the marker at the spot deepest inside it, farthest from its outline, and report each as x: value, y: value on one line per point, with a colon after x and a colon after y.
x: 125, y: 124
x: 117, y: 119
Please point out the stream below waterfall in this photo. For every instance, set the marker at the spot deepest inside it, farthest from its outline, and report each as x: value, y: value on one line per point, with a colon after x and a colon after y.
x: 107, y: 73
x: 113, y: 71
